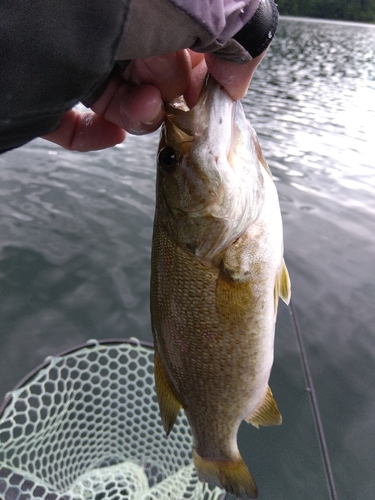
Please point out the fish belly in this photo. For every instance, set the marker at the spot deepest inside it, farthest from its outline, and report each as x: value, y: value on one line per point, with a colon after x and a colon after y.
x: 215, y: 341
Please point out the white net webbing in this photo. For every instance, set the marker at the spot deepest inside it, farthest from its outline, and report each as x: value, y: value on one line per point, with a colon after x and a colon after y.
x: 87, y: 427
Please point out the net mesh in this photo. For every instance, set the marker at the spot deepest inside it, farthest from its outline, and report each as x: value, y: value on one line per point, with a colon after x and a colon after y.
x: 87, y: 426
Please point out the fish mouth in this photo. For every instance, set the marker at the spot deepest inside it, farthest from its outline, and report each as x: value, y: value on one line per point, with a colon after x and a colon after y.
x: 203, y: 139
x: 198, y: 182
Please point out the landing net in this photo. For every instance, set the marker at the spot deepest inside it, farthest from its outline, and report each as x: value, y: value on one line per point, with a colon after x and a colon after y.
x: 86, y: 426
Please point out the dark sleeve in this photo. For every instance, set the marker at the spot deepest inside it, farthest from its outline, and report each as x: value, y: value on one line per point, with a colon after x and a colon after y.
x: 234, y: 30
x: 52, y: 54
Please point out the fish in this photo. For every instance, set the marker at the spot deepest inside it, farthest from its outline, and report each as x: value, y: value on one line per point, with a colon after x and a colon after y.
x: 217, y: 274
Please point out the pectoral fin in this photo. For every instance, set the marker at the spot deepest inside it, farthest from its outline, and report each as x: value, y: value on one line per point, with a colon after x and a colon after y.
x: 168, y: 403
x: 267, y: 414
x: 282, y: 286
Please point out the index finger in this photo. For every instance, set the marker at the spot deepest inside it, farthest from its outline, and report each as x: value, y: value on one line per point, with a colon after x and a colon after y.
x: 235, y: 78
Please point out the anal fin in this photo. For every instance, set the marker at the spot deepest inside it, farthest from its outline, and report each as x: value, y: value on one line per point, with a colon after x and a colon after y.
x: 267, y: 414
x: 168, y: 403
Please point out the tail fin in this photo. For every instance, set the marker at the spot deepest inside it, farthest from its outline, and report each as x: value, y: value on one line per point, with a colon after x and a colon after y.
x: 232, y: 475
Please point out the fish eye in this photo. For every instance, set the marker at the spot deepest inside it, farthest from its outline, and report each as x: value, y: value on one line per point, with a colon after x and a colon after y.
x: 167, y: 159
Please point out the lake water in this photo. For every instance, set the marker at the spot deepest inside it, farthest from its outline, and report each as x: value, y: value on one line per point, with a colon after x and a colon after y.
x: 75, y: 236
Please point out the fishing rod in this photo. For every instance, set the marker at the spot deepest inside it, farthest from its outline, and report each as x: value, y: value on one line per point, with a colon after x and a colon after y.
x: 314, y: 404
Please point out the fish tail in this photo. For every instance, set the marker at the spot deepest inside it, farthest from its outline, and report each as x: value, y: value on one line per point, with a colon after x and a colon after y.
x: 232, y: 475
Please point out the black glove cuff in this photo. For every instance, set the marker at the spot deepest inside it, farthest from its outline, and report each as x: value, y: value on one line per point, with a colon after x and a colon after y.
x: 258, y: 33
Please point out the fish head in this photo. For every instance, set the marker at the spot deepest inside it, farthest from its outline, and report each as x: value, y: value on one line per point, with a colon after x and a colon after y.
x: 210, y: 181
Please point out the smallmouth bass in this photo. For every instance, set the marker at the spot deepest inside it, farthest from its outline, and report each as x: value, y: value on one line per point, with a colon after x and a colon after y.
x: 217, y: 274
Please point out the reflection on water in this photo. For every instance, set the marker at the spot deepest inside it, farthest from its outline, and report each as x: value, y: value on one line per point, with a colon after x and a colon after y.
x: 75, y: 234
x: 320, y: 88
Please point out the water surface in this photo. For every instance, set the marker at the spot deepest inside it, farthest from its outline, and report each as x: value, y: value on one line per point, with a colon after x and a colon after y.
x: 75, y: 236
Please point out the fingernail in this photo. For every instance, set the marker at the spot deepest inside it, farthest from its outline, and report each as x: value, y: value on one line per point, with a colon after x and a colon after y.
x: 150, y: 125
x: 156, y: 116
x: 162, y: 66
x: 134, y: 131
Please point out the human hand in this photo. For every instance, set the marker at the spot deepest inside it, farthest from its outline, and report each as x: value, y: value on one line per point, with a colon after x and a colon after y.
x: 235, y: 78
x: 133, y: 102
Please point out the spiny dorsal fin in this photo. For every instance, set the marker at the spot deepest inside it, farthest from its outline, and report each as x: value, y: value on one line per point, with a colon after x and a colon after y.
x: 267, y: 414
x: 168, y: 403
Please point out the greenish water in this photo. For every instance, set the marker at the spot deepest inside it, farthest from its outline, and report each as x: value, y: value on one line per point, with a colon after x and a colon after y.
x: 75, y: 235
